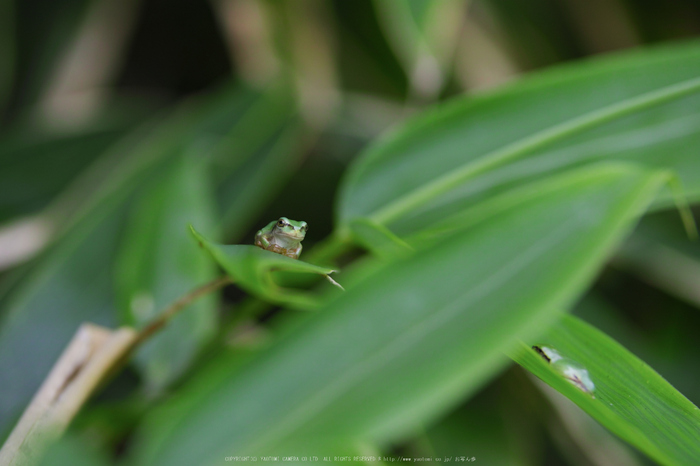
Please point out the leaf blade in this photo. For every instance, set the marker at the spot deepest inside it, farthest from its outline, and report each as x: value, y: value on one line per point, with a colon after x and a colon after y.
x: 473, y: 135
x: 396, y: 324
x: 159, y: 264
x: 631, y: 399
x: 251, y: 268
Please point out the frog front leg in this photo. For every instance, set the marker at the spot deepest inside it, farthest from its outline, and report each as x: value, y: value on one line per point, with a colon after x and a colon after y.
x: 261, y: 240
x: 294, y: 252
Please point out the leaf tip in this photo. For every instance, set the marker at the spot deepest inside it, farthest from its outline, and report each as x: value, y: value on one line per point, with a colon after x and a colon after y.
x: 196, y: 235
x: 328, y: 276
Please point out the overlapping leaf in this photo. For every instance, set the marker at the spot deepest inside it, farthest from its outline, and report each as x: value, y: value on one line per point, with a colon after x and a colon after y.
x: 74, y: 284
x: 620, y: 107
x: 410, y: 340
x: 251, y: 268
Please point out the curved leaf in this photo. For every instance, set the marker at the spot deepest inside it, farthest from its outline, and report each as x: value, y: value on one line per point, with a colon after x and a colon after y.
x: 618, y: 107
x: 410, y: 340
x: 629, y: 398
x: 252, y: 268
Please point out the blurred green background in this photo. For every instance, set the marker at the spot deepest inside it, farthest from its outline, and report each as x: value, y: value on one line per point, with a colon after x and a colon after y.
x: 123, y: 120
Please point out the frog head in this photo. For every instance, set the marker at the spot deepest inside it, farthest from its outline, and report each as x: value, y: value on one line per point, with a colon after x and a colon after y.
x: 291, y: 229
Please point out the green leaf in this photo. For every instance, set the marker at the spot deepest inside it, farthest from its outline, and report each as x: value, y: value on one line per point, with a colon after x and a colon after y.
x: 423, y: 34
x: 378, y: 239
x: 476, y: 430
x: 34, y: 168
x: 629, y: 398
x: 158, y: 264
x: 667, y: 342
x: 202, y: 126
x: 74, y: 450
x: 74, y: 282
x: 255, y: 159
x: 409, y: 341
x: 368, y: 64
x: 405, y: 23
x: 641, y: 106
x: 252, y: 269
x: 72, y: 285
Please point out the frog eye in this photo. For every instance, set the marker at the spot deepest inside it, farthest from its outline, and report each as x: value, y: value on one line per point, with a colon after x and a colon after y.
x: 281, y: 223
x: 305, y: 227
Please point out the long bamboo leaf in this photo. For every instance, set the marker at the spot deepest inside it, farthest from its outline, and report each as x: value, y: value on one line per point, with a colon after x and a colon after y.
x: 640, y: 106
x: 412, y: 339
x: 628, y: 397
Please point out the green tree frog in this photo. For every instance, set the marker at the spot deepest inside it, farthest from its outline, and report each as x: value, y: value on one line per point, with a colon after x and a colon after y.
x: 282, y: 236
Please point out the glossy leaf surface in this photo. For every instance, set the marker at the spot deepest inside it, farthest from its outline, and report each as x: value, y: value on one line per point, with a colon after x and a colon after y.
x: 452, y: 157
x: 410, y: 340
x: 629, y: 398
